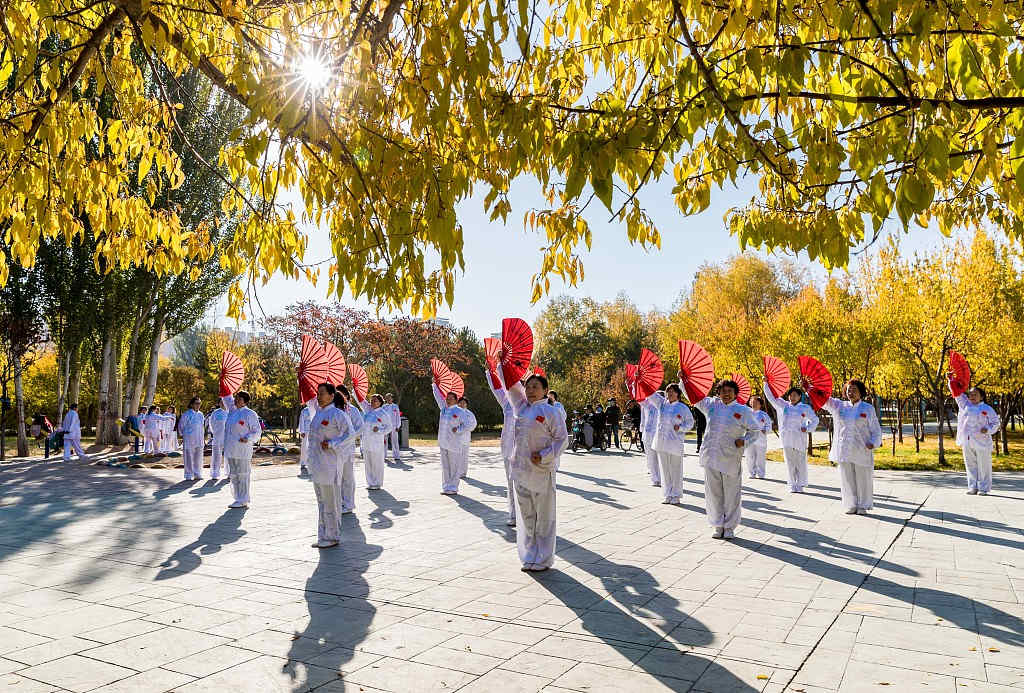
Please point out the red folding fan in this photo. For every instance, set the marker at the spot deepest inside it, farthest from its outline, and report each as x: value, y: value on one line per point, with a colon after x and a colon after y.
x: 335, y: 364
x: 648, y: 375
x: 816, y: 380
x: 960, y: 373
x: 231, y: 374
x: 360, y: 381
x: 776, y: 375
x: 313, y: 368
x: 516, y: 349
x: 445, y: 380
x: 744, y: 388
x: 631, y: 369
x: 537, y: 370
x: 698, y: 370
x: 492, y: 354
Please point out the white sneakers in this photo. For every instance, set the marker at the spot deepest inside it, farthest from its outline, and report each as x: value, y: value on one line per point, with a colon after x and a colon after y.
x: 239, y: 504
x: 972, y: 492
x: 719, y: 533
x: 851, y: 511
x: 325, y: 545
x: 862, y: 511
x: 729, y: 534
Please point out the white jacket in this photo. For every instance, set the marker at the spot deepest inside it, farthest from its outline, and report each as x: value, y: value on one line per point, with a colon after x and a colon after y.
x: 193, y: 429
x: 377, y: 424
x: 450, y: 418
x: 396, y: 415
x: 334, y: 426
x: 215, y: 423
x: 795, y: 420
x: 154, y: 425
x: 508, y: 426
x: 539, y: 429
x: 242, y: 430
x: 856, y: 425
x: 764, y: 427
x: 727, y: 423
x: 649, y: 420
x: 672, y: 421
x: 975, y: 424
x: 72, y: 425
x: 305, y: 417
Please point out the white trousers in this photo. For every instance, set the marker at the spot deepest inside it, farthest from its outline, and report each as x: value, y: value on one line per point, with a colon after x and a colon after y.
x: 304, y: 451
x: 451, y: 465
x: 240, y: 470
x: 193, y: 459
x: 978, y: 462
x: 511, y: 488
x: 76, y: 444
x: 796, y: 466
x: 755, y: 454
x: 348, y: 483
x: 216, y: 457
x: 536, y: 530
x: 328, y: 504
x: 856, y: 484
x: 671, y: 475
x: 652, y: 464
x: 152, y: 443
x: 463, y: 462
x: 723, y: 495
x: 373, y: 461
x: 396, y: 446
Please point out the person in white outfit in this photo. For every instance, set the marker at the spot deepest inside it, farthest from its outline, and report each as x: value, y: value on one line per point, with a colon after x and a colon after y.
x: 730, y: 428
x: 330, y: 437
x: 756, y: 451
x: 305, y: 417
x: 674, y: 420
x: 649, y: 426
x: 377, y: 424
x: 348, y: 460
x: 465, y: 438
x: 193, y: 428
x: 215, y: 423
x: 857, y: 434
x: 796, y: 420
x: 976, y: 423
x: 241, y: 433
x: 72, y: 427
x: 508, y: 441
x: 152, y: 429
x: 539, y: 441
x: 170, y: 430
x: 395, y: 437
x: 143, y: 417
x: 451, y: 421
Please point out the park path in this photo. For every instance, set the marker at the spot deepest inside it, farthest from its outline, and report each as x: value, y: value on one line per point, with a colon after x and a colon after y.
x: 129, y: 580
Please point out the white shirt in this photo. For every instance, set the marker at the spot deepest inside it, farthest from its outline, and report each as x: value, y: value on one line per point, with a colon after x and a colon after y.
x: 377, y: 423
x: 395, y: 414
x: 242, y: 430
x: 856, y: 425
x: 192, y: 427
x: 72, y: 425
x: 970, y: 419
x: 727, y: 423
x: 334, y: 426
x: 508, y: 426
x: 795, y: 420
x: 672, y: 421
x: 305, y: 417
x: 154, y: 422
x: 540, y: 429
x: 760, y: 435
x: 454, y: 417
x: 215, y: 422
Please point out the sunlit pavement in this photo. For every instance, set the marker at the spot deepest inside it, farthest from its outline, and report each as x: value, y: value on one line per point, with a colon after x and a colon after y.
x: 130, y: 580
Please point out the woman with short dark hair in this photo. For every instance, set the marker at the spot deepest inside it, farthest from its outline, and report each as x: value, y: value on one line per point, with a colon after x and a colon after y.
x: 193, y: 435
x: 242, y: 431
x: 857, y: 434
x: 796, y: 420
x: 976, y: 423
x: 330, y: 435
x: 673, y: 421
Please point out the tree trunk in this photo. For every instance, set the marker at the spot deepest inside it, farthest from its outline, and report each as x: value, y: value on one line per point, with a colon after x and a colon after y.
x: 19, y: 408
x: 154, y: 359
x: 133, y: 367
x: 74, y: 378
x: 940, y: 402
x: 62, y: 383
x: 899, y: 419
x: 918, y: 425
x: 104, y: 405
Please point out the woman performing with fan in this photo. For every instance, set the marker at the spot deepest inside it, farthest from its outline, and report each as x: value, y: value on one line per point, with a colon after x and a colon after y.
x: 492, y: 349
x: 377, y: 425
x: 796, y: 420
x: 731, y: 426
x: 242, y: 429
x: 857, y: 434
x: 452, y: 422
x: 976, y: 423
x: 331, y: 436
x: 756, y: 451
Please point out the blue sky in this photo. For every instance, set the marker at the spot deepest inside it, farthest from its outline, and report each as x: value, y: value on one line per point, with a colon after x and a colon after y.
x: 493, y: 286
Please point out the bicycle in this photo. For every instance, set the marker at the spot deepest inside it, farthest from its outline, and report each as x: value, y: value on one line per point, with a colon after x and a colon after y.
x: 629, y: 437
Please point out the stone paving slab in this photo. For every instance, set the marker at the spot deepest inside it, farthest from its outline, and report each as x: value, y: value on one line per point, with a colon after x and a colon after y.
x: 132, y: 580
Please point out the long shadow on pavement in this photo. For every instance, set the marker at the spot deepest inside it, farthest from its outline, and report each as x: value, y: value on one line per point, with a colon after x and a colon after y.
x: 226, y: 529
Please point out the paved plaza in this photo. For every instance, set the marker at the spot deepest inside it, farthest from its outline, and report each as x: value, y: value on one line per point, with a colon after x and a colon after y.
x: 131, y: 580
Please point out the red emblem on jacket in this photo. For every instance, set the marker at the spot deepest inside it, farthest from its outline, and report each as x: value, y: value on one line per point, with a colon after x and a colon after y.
x: 803, y: 416
x: 324, y: 422
x: 540, y: 419
x: 863, y: 415
x: 737, y: 416
x: 241, y: 423
x: 984, y: 413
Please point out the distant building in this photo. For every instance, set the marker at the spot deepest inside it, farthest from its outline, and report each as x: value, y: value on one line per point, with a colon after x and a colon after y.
x: 240, y: 336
